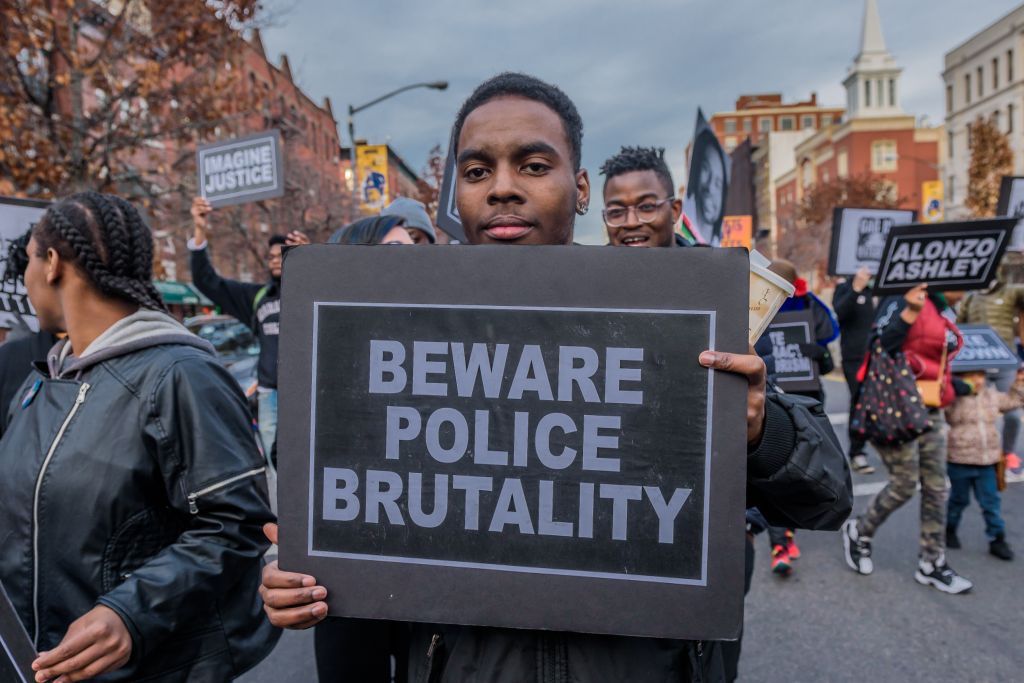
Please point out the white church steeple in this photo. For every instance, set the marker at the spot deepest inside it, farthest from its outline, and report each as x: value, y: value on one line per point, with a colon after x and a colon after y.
x: 872, y: 85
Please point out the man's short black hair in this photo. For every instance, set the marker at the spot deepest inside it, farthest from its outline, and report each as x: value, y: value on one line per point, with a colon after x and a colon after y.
x: 277, y: 239
x: 530, y: 88
x: 631, y: 159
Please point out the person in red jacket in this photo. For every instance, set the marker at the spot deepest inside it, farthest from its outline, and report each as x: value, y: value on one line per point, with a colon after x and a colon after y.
x: 920, y: 326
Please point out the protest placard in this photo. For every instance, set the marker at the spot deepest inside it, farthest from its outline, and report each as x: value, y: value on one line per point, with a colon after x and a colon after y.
x: 793, y: 370
x: 858, y: 237
x: 983, y: 350
x: 17, y: 216
x: 245, y: 169
x: 526, y: 443
x: 1011, y: 204
x: 447, y: 210
x: 17, y: 652
x: 945, y: 256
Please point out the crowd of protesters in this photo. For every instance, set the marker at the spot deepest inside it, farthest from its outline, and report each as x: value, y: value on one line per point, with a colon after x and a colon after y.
x: 129, y: 416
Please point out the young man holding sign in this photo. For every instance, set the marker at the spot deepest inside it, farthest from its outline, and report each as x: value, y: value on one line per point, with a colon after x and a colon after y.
x: 518, y: 143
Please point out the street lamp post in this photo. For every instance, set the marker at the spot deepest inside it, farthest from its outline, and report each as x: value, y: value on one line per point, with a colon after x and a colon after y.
x: 352, y: 111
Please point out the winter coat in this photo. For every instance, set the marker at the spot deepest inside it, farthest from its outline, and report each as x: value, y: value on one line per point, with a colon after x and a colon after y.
x: 130, y: 478
x: 256, y: 305
x: 856, y: 314
x: 797, y: 477
x: 997, y: 309
x: 923, y: 342
x: 973, y: 437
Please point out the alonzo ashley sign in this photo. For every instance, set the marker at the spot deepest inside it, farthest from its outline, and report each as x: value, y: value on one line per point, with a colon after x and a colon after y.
x: 946, y: 256
x: 242, y: 170
x: 543, y: 455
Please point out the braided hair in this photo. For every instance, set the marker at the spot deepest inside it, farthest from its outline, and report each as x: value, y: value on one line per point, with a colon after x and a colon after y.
x: 108, y: 240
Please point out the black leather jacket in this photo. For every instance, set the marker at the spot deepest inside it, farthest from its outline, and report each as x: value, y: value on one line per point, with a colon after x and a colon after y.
x: 135, y: 483
x: 798, y: 477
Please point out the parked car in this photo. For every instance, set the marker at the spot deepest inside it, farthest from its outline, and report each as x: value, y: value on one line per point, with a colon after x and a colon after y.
x: 237, y: 347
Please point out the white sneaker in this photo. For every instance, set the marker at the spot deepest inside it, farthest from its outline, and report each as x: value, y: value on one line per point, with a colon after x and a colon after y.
x: 942, y: 576
x: 856, y: 548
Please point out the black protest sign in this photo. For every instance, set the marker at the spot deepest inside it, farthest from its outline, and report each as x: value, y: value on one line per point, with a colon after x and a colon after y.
x: 526, y: 443
x: 945, y: 256
x: 242, y: 170
x: 983, y: 350
x: 858, y: 237
x: 17, y: 216
x: 787, y: 332
x: 447, y: 210
x: 18, y: 654
x: 1011, y: 203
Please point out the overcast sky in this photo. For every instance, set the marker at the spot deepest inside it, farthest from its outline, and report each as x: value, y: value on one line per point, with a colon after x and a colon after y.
x: 636, y: 69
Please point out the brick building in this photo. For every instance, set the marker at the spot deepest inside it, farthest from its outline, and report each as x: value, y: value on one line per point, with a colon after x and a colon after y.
x: 755, y: 116
x: 876, y: 138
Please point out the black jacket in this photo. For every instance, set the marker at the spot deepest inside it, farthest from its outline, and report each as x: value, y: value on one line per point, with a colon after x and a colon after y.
x: 239, y: 300
x: 797, y: 477
x: 132, y: 480
x: 16, y: 358
x: 856, y: 314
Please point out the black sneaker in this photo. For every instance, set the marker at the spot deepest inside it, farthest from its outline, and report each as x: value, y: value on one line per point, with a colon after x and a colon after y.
x: 952, y: 540
x: 856, y: 548
x: 1000, y: 548
x: 942, y: 576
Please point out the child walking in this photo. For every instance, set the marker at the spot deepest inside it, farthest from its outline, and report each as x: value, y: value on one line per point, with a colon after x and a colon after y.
x: 975, y: 450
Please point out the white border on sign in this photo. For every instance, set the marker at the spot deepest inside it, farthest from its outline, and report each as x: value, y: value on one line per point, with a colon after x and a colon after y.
x: 807, y: 335
x: 502, y: 567
x: 1002, y: 234
x: 14, y: 663
x: 203, y: 153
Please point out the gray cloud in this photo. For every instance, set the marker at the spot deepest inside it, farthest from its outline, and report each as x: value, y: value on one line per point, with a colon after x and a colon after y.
x: 636, y: 70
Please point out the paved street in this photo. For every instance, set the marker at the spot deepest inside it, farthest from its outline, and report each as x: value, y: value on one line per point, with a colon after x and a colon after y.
x: 826, y: 623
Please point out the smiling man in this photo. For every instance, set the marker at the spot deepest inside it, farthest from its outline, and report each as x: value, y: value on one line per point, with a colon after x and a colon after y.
x: 519, y: 182
x: 640, y: 208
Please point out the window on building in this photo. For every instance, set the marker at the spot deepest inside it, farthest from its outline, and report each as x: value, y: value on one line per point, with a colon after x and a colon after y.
x: 730, y: 125
x: 883, y: 156
x: 997, y: 119
x: 967, y: 88
x: 1009, y: 118
x: 949, y: 143
x: 807, y: 173
x: 867, y: 93
x: 995, y: 73
x: 826, y: 120
x: 949, y: 99
x: 807, y: 122
x: 764, y: 124
x: 981, y: 82
x: 748, y: 125
x: 970, y: 137
x: 892, y: 92
x: 878, y: 88
x: 1009, y: 66
x: 786, y: 123
x: 843, y: 164
x: 838, y: 119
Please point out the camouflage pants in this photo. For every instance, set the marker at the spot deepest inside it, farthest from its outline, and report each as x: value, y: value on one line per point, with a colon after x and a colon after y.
x: 922, y: 460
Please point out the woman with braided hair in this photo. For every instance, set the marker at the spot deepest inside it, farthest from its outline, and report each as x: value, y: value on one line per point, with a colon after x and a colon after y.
x: 131, y: 488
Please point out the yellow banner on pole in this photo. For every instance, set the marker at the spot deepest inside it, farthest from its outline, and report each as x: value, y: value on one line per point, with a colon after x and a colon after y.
x: 372, y: 177
x: 737, y: 231
x: 932, y: 201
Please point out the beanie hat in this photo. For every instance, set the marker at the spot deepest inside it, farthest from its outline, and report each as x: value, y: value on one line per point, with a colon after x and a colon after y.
x: 414, y: 214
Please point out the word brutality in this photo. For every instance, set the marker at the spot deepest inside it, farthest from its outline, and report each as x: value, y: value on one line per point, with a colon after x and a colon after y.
x: 463, y: 442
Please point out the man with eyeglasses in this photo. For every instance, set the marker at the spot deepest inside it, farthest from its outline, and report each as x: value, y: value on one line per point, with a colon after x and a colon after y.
x: 640, y: 208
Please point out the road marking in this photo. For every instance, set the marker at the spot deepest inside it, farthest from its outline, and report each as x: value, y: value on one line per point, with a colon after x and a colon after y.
x: 868, y: 488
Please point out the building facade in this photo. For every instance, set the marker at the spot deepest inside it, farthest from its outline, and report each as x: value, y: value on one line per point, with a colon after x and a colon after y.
x: 755, y: 116
x: 876, y: 139
x: 984, y: 78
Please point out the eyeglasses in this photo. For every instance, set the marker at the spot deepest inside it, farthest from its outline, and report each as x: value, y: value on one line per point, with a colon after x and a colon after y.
x: 645, y: 212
